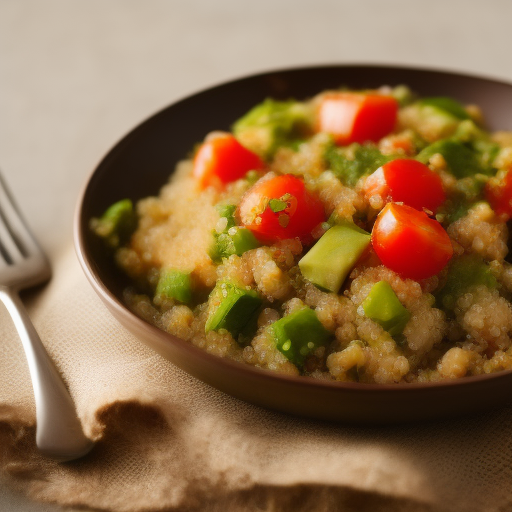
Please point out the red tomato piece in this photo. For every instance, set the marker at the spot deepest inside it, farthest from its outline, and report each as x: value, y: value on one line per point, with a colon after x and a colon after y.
x: 498, y: 193
x: 279, y: 208
x: 409, y: 242
x: 223, y: 159
x: 357, y: 117
x: 406, y: 181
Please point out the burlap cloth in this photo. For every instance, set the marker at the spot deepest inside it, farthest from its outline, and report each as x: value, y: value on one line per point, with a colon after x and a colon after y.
x: 169, y: 442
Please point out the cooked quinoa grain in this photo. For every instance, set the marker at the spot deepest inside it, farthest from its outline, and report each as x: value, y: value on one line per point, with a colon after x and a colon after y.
x: 310, y: 242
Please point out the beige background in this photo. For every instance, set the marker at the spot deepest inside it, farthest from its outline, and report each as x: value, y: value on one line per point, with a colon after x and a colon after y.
x: 76, y: 76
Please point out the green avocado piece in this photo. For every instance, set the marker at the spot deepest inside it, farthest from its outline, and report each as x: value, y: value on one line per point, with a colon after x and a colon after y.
x: 433, y: 122
x: 228, y: 211
x: 465, y: 272
x: 462, y: 161
x: 243, y: 240
x: 382, y: 306
x: 233, y: 240
x: 403, y: 95
x: 231, y: 308
x: 468, y: 131
x: 480, y: 141
x: 249, y: 330
x: 330, y: 260
x: 447, y: 105
x: 298, y: 334
x: 453, y: 210
x: 175, y: 284
x: 117, y: 224
x: 272, y: 124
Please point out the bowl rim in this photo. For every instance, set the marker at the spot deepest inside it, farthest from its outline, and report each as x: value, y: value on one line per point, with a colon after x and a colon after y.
x: 270, y: 376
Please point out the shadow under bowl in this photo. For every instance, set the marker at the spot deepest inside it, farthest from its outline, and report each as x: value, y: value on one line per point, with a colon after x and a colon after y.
x: 143, y: 161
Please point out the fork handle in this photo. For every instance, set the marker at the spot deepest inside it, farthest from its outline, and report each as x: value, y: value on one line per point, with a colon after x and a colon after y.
x: 59, y: 434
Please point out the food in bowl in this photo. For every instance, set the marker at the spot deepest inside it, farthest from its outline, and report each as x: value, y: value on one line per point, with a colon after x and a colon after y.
x: 356, y: 236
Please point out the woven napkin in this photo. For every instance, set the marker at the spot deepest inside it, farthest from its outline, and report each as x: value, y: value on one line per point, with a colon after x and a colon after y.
x: 166, y: 441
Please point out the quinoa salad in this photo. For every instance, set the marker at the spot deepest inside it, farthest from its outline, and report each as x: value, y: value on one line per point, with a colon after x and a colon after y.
x: 355, y: 236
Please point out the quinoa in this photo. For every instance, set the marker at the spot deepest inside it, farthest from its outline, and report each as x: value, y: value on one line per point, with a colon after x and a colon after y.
x: 206, y: 267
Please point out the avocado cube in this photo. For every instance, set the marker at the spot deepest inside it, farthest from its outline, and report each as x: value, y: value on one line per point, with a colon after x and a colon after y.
x: 480, y: 141
x: 430, y: 121
x: 469, y: 152
x: 231, y: 308
x: 272, y: 124
x: 382, y: 306
x: 174, y: 284
x: 446, y: 104
x: 462, y: 161
x: 243, y: 240
x: 464, y: 273
x: 235, y: 241
x: 298, y: 334
x: 117, y: 224
x: 334, y: 255
x: 228, y: 211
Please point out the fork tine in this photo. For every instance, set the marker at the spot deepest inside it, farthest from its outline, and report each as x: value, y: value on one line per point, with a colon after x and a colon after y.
x: 15, y: 237
x: 9, y: 250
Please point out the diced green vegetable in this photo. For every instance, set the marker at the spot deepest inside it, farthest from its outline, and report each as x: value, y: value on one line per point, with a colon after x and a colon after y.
x: 448, y: 105
x: 233, y: 239
x: 403, y: 95
x: 462, y: 161
x: 236, y: 241
x: 249, y: 330
x: 487, y: 151
x: 367, y: 159
x: 231, y: 308
x: 174, y: 284
x: 299, y: 334
x: 468, y: 131
x: 331, y: 259
x: 430, y: 120
x: 228, y: 211
x: 276, y: 205
x: 273, y: 124
x: 464, y: 273
x: 252, y: 177
x: 382, y: 306
x: 453, y: 210
x: 468, y: 152
x: 117, y: 224
x: 478, y: 140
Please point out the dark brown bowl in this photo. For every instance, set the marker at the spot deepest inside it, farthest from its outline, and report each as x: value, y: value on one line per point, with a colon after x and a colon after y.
x: 141, y: 163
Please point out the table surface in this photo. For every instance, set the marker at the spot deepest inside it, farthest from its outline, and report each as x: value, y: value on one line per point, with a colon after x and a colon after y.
x: 76, y: 76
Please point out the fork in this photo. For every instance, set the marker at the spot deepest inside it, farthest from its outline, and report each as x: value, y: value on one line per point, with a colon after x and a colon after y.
x: 23, y: 264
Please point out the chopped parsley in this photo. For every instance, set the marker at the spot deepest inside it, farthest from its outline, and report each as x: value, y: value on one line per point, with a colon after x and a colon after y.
x: 367, y: 159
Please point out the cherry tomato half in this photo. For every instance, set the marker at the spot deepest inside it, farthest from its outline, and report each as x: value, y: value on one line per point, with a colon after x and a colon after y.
x: 279, y: 208
x: 406, y: 181
x: 498, y: 193
x: 356, y: 117
x: 409, y: 242
x: 222, y: 159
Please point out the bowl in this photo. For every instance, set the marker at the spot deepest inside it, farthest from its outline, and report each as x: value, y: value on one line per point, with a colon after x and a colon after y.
x: 142, y: 162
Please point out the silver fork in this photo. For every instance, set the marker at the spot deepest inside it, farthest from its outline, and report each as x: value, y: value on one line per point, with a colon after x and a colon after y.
x: 23, y: 264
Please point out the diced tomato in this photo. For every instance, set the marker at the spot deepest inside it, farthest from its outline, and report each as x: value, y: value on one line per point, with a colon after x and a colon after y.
x: 409, y: 242
x: 279, y: 208
x: 356, y: 117
x: 498, y: 193
x: 406, y: 181
x: 222, y: 159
